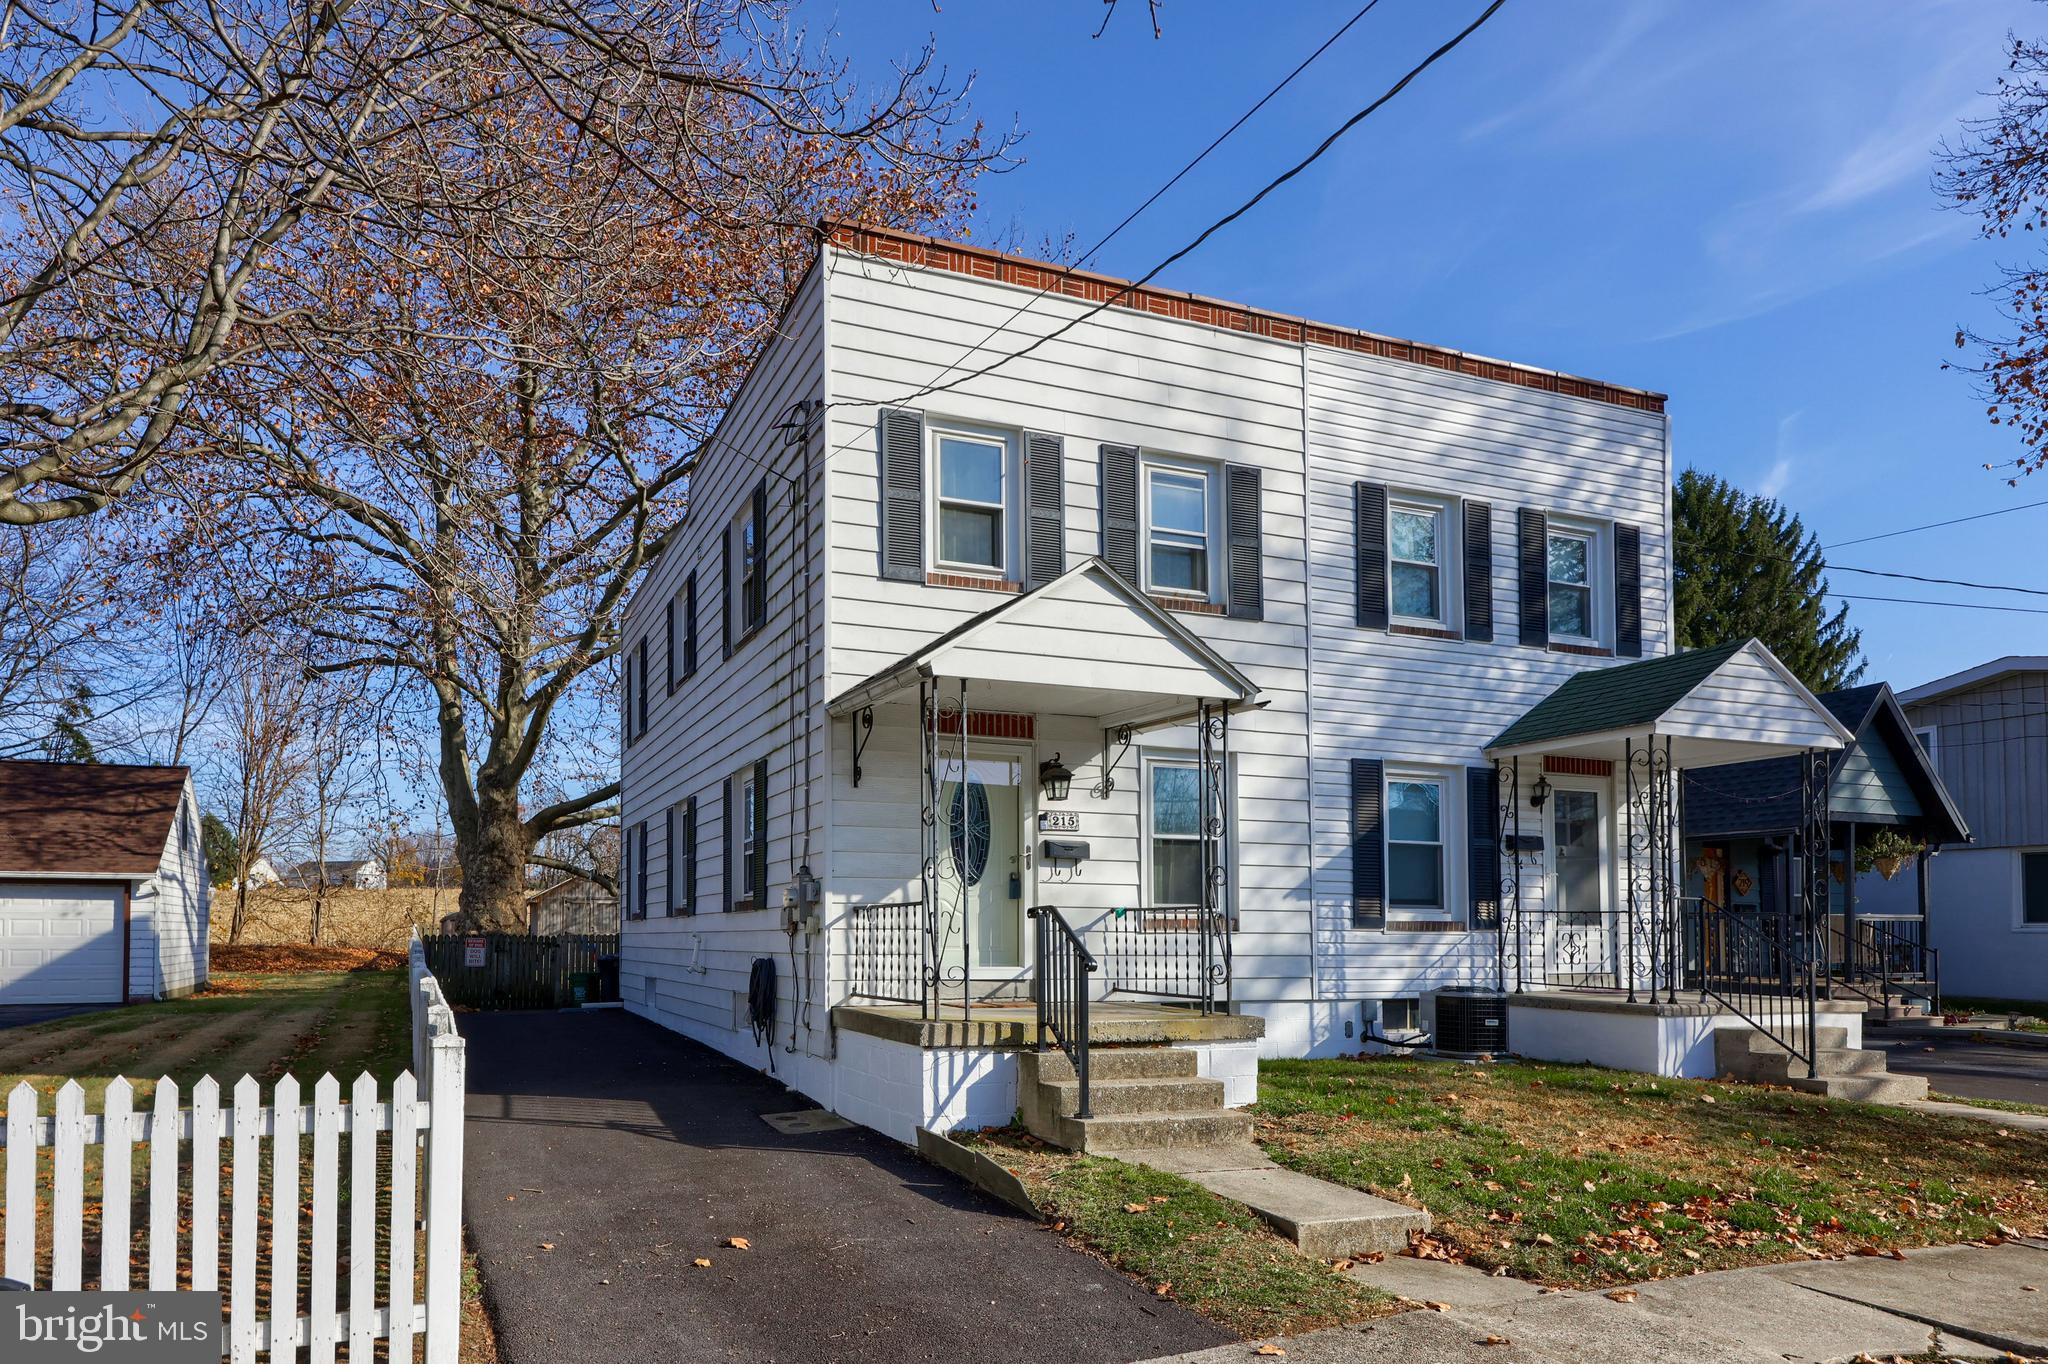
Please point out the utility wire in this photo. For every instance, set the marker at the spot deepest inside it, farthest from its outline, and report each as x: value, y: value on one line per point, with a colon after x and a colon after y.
x: 1828, y: 567
x: 1957, y: 605
x: 1936, y: 525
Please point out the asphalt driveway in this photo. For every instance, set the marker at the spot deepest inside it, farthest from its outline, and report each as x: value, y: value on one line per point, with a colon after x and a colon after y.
x: 1958, y: 1065
x: 605, y: 1155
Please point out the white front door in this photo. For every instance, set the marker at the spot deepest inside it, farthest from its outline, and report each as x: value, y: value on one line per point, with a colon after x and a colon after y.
x: 60, y: 943
x: 983, y: 870
x: 1582, y: 941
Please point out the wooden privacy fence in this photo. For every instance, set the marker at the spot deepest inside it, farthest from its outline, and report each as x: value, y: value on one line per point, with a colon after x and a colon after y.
x: 335, y: 1162
x: 517, y: 971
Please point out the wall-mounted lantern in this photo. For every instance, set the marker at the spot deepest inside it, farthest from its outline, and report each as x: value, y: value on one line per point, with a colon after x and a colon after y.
x: 1539, y: 793
x: 1055, y: 779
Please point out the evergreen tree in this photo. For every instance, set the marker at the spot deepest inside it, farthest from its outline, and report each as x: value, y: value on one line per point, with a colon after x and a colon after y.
x: 67, y: 741
x: 1746, y: 566
x: 223, y: 853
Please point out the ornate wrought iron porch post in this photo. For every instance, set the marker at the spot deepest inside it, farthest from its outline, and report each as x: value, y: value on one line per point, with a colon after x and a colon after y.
x: 1213, y: 748
x: 1635, y: 854
x: 1508, y: 835
x: 928, y: 828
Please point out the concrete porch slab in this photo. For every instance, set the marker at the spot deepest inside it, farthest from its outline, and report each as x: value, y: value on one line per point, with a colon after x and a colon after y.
x: 1192, y: 1160
x: 1325, y: 1220
x: 1012, y: 1025
x: 1454, y: 1285
x: 1974, y: 1291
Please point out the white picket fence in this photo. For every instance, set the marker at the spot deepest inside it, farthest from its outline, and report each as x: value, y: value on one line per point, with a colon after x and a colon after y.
x: 175, y: 1136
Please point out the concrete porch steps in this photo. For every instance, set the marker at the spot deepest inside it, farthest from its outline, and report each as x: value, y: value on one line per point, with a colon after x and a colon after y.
x: 1838, y: 1070
x: 1143, y: 1097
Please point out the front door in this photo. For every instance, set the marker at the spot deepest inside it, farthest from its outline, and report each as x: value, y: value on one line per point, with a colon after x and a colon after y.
x: 982, y: 871
x: 1582, y: 945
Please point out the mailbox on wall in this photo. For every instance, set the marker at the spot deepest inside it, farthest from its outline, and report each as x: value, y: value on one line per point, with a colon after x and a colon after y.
x: 1063, y: 850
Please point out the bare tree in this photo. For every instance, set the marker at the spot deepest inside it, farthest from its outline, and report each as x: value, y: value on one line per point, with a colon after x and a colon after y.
x: 489, y: 379
x: 338, y: 772
x: 263, y: 756
x: 67, y: 668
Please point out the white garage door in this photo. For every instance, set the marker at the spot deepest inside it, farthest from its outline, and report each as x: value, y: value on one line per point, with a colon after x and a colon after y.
x: 59, y: 944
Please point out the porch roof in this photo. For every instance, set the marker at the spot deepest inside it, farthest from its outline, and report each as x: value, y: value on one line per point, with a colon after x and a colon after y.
x: 1086, y: 643
x: 1724, y: 704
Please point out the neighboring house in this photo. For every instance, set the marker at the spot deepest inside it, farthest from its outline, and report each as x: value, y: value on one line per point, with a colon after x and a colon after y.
x: 262, y: 873
x: 1244, y: 651
x: 1742, y: 826
x: 103, y: 885
x: 1986, y: 728
x: 356, y: 873
x: 572, y: 905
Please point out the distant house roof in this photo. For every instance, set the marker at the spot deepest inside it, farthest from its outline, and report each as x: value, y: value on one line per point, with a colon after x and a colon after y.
x: 86, y: 819
x: 340, y: 866
x: 1763, y: 797
x: 1971, y: 677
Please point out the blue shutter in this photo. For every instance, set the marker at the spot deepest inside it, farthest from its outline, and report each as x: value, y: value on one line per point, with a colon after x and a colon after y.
x: 1369, y: 531
x: 1478, y: 546
x: 1368, y: 844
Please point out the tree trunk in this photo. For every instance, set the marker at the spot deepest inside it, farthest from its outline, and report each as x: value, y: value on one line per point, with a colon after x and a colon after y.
x: 241, y: 914
x: 492, y: 848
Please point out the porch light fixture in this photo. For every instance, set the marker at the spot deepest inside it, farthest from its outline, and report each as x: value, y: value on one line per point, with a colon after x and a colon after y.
x: 1055, y: 779
x: 1539, y: 793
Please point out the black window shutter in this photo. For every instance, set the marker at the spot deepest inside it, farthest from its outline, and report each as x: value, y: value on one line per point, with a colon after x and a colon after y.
x: 1483, y: 868
x: 1368, y: 844
x: 725, y: 581
x: 625, y: 878
x: 1628, y: 591
x: 732, y: 846
x: 689, y: 901
x: 640, y: 686
x: 902, y: 441
x: 1120, y: 509
x: 1478, y: 538
x: 675, y: 657
x: 1369, y: 521
x: 626, y: 702
x: 1533, y: 576
x: 671, y: 853
x: 640, y: 870
x: 690, y: 625
x: 757, y: 594
x: 760, y: 832
x: 1045, y: 526
x: 1245, y: 540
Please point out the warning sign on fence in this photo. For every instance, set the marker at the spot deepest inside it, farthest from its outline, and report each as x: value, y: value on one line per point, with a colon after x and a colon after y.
x: 472, y: 951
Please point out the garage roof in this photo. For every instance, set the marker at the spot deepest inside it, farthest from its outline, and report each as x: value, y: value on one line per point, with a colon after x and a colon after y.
x: 86, y: 819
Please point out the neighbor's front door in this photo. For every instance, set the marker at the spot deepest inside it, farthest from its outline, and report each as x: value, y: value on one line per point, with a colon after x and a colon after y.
x: 1581, y: 924
x: 982, y: 875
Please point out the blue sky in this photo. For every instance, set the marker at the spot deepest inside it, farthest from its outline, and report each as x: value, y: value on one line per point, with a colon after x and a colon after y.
x: 1726, y: 201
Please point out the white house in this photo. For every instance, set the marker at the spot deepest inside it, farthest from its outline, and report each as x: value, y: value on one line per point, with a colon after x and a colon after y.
x: 1986, y: 731
x: 103, y: 886
x: 1211, y: 666
x: 348, y: 873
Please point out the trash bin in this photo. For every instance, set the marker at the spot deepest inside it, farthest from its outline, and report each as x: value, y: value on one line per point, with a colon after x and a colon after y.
x: 608, y: 977
x: 583, y: 987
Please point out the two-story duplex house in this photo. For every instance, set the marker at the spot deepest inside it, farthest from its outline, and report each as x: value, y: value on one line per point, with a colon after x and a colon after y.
x: 1197, y: 663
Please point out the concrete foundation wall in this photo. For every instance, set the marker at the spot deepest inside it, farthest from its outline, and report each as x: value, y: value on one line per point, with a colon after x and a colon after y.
x: 1682, y: 1046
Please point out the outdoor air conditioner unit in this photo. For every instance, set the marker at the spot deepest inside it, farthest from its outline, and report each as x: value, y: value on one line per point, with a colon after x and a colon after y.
x: 1470, y: 1021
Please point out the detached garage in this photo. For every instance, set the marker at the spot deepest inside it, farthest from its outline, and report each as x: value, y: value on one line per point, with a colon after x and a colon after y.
x: 103, y: 887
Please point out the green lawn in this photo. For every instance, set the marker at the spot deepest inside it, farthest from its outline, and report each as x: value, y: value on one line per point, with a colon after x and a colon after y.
x: 2032, y: 1014
x: 1575, y: 1175
x: 1207, y: 1253
x: 245, y: 1024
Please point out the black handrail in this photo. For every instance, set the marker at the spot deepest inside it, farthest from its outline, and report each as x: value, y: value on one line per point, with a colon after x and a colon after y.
x: 1061, y: 967
x: 888, y: 953
x: 1760, y: 970
x: 1889, y: 955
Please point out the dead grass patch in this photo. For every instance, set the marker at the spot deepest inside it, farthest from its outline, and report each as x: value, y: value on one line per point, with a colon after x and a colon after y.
x: 291, y: 959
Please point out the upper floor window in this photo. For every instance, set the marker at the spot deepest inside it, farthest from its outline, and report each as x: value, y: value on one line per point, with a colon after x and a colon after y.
x: 2034, y: 890
x: 973, y: 501
x: 1570, y: 558
x: 748, y: 599
x: 1415, y: 844
x: 1415, y: 551
x: 1179, y: 523
x: 1926, y: 738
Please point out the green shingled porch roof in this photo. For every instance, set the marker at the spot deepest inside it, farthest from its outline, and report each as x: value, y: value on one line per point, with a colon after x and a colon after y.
x: 1601, y: 700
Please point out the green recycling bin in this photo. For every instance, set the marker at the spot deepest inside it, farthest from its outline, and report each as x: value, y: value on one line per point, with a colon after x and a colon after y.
x: 583, y: 986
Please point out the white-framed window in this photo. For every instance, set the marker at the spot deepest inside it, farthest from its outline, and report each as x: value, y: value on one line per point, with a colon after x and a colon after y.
x: 1419, y: 561
x: 748, y: 835
x: 972, y: 515
x: 1927, y: 739
x: 1173, y: 832
x: 748, y: 601
x: 1178, y: 511
x: 1416, y: 819
x: 1572, y: 560
x: 2033, y: 914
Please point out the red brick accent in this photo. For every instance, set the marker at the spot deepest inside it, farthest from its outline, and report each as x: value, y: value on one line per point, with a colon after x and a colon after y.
x: 1424, y: 926
x: 992, y: 724
x: 968, y: 580
x: 1583, y: 650
x: 1191, y: 605
x: 1579, y: 767
x: 1423, y: 632
x: 980, y: 263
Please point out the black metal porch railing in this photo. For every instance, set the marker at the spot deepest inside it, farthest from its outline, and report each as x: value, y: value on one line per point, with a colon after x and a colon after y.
x: 1179, y: 953
x: 1760, y: 969
x: 1883, y: 959
x: 1061, y: 966
x: 887, y: 953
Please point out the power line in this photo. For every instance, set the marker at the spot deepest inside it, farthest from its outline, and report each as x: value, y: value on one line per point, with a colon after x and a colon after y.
x: 1829, y: 567
x: 1936, y: 525
x: 1958, y: 605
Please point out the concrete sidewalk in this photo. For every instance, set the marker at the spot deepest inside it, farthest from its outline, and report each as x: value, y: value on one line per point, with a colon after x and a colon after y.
x: 1963, y: 1302
x: 607, y: 1157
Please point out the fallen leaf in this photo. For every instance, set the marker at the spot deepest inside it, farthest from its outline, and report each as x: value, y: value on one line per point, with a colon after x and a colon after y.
x: 739, y: 1243
x: 1135, y: 1207
x: 1438, y: 1306
x: 1269, y: 1350
x: 1591, y: 1187
x: 547, y: 1245
x: 701, y: 1262
x: 1544, y: 1238
x: 1162, y: 1290
x: 1494, y: 1340
x: 1622, y: 1294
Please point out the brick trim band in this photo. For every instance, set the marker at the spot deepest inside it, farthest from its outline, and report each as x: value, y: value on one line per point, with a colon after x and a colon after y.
x: 992, y: 724
x: 1579, y: 767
